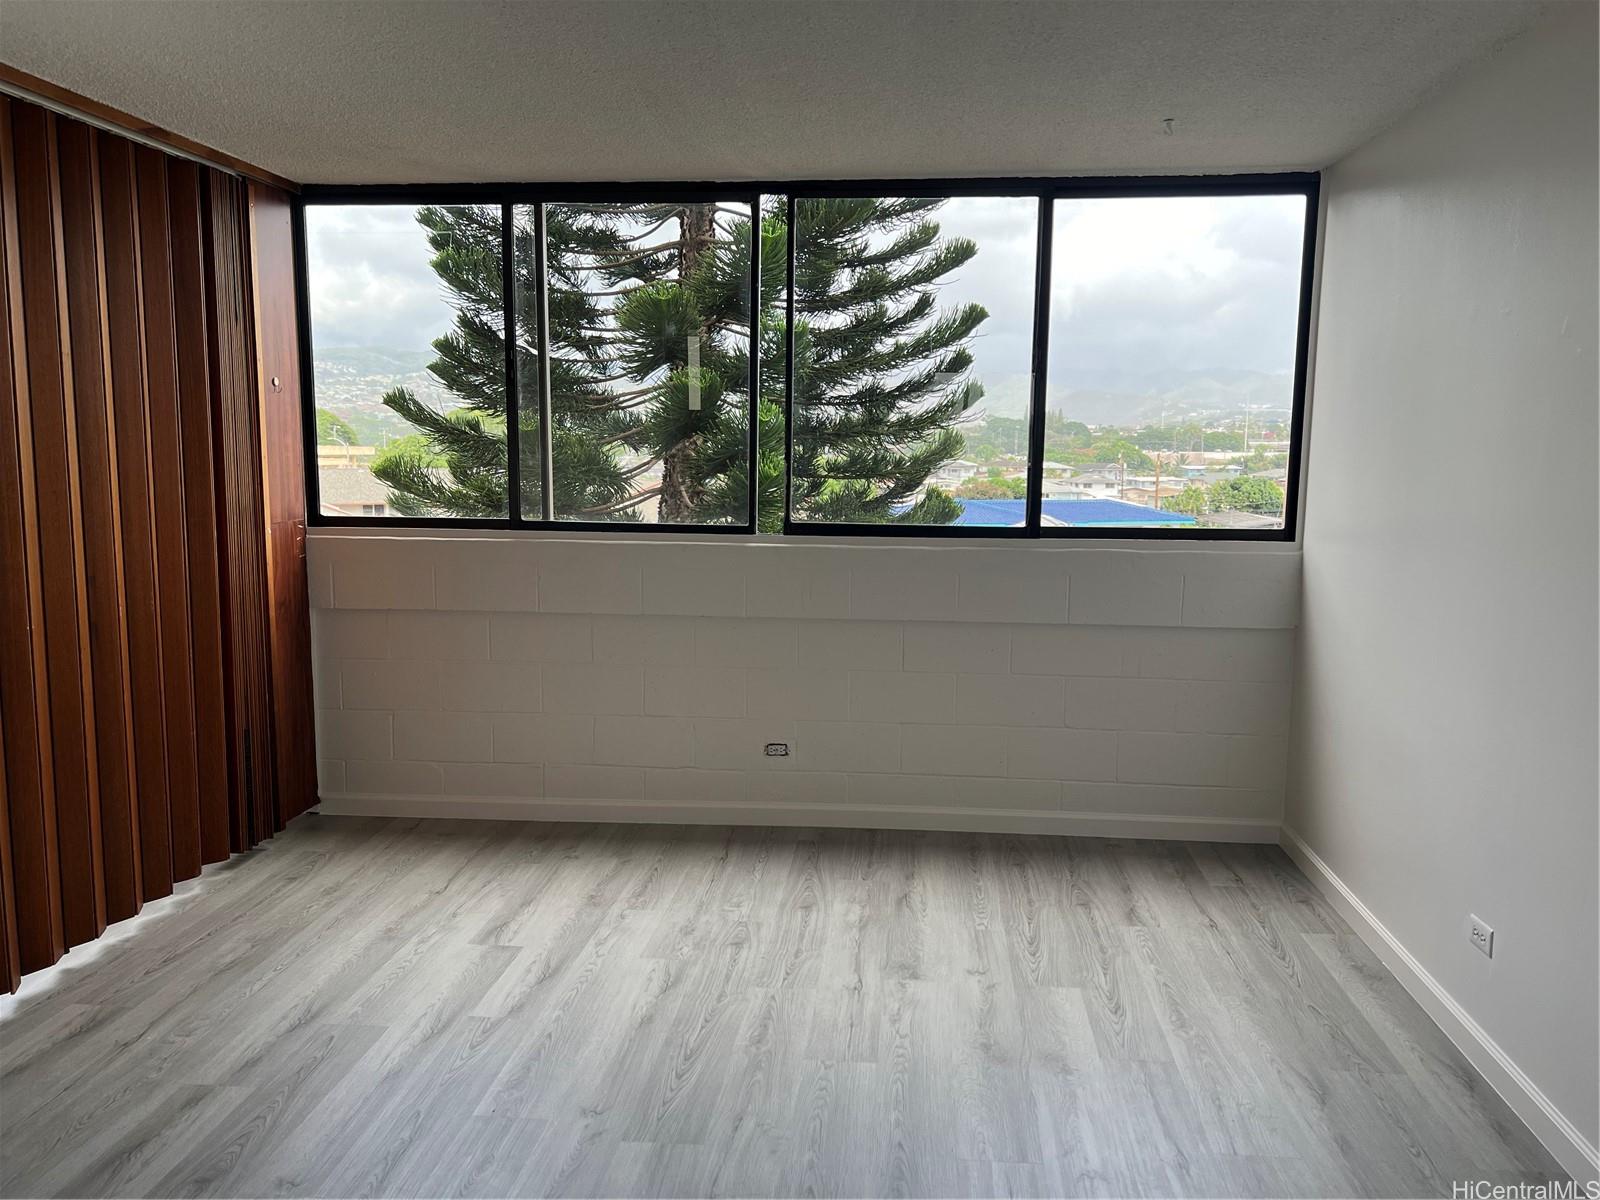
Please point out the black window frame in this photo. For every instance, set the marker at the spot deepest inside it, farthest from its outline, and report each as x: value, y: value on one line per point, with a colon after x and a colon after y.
x: 508, y: 196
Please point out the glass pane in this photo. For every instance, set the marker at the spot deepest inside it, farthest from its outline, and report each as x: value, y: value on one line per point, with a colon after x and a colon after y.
x: 649, y: 365
x: 913, y: 358
x: 408, y: 356
x: 1171, y: 374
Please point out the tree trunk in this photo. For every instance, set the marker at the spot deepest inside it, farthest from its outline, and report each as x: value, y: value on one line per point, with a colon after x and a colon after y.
x: 682, y: 493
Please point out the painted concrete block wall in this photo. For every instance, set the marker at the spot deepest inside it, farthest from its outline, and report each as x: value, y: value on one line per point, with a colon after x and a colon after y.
x: 1034, y: 688
x: 1446, y: 716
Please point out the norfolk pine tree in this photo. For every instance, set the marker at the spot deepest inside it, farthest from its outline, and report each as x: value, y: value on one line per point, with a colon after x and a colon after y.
x: 882, y: 374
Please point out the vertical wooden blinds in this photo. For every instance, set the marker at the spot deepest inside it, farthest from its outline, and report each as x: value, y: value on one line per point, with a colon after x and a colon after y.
x: 154, y: 645
x: 282, y: 450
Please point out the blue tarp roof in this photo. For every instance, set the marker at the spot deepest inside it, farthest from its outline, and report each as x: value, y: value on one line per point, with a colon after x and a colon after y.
x: 1066, y: 512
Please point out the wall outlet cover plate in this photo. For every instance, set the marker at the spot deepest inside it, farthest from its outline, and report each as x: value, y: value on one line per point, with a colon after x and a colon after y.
x: 1481, y: 934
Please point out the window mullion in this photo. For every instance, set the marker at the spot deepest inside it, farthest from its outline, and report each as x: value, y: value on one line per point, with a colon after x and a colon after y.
x: 1041, y: 354
x: 788, y: 362
x: 508, y: 297
x: 753, y: 466
x: 547, y: 470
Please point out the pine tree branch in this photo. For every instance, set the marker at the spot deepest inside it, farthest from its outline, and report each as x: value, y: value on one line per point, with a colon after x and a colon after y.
x: 642, y: 468
x: 628, y: 256
x: 632, y: 501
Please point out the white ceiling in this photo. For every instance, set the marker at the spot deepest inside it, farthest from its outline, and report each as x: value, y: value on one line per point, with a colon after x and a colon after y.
x: 385, y: 91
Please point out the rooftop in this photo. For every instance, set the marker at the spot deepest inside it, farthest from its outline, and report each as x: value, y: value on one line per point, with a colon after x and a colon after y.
x: 350, y: 485
x: 1067, y: 512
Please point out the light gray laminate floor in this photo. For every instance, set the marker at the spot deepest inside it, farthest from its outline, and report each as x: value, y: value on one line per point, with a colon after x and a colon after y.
x: 402, y: 1008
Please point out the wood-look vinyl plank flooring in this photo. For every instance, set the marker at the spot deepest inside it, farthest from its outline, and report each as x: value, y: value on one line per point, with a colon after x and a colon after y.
x: 376, y: 1007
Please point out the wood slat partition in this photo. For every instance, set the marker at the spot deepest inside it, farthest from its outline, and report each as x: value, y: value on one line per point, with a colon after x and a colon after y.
x: 154, y: 654
x: 24, y: 703
x: 101, y: 516
x: 125, y: 313
x: 282, y: 457
x: 200, y: 509
x: 51, y: 389
x: 10, y: 959
x: 166, y: 474
x: 243, y: 535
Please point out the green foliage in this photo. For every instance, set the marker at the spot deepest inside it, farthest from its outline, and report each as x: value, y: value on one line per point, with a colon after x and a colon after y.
x: 1000, y: 437
x: 1246, y: 494
x: 333, y: 430
x: 882, y: 373
x: 454, y: 464
x: 1191, y: 500
x: 1067, y: 441
x: 993, y: 489
x: 1117, y: 449
x: 1224, y: 439
x: 415, y: 445
x: 1056, y: 424
x: 1187, y: 437
x: 1260, y: 460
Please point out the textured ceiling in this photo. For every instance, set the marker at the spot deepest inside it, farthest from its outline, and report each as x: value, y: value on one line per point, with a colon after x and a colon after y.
x: 385, y: 91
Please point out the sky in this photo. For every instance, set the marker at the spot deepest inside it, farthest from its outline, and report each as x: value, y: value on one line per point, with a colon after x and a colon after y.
x: 1158, y: 284
x: 1140, y: 287
x: 1000, y: 277
x: 369, y: 279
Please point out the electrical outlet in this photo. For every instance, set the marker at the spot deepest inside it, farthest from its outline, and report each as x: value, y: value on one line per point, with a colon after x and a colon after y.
x: 1481, y: 935
x: 777, y: 749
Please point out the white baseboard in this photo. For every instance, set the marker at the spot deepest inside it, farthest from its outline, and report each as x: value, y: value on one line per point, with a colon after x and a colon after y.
x: 1560, y: 1136
x: 841, y: 816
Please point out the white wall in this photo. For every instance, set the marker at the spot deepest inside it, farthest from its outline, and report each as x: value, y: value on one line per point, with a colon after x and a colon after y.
x: 1038, y: 687
x: 1444, y: 749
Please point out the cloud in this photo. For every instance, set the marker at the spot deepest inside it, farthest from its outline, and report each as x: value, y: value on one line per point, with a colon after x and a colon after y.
x: 1000, y: 277
x: 368, y: 278
x: 1162, y: 284
x: 1144, y: 286
x: 1140, y: 287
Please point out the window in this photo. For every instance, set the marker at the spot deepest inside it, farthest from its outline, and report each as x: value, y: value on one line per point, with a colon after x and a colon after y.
x: 1173, y: 341
x: 913, y: 345
x: 1024, y: 358
x: 406, y: 357
x: 647, y: 379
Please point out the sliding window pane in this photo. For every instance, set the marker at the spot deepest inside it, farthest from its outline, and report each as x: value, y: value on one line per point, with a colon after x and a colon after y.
x: 649, y: 325
x: 913, y: 347
x: 408, y: 357
x: 1173, y: 326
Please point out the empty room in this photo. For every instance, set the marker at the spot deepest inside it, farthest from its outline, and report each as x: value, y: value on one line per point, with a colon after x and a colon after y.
x: 777, y: 598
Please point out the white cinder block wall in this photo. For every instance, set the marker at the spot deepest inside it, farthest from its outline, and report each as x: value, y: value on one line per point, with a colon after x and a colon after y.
x: 1039, y: 687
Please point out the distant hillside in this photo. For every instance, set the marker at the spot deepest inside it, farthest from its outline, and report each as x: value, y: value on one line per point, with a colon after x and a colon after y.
x: 351, y: 381
x: 373, y: 360
x: 1130, y: 397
